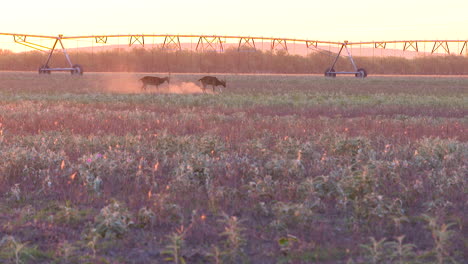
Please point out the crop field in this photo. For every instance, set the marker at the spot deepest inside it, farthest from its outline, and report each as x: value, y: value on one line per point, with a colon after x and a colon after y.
x: 273, y: 169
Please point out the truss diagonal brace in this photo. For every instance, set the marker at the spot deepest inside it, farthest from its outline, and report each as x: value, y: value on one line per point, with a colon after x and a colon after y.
x: 210, y: 44
x: 310, y: 44
x: 439, y: 44
x: 382, y: 45
x: 21, y: 39
x: 464, y: 47
x: 277, y: 44
x: 171, y: 43
x: 101, y: 39
x: 411, y: 44
x: 246, y: 44
x: 137, y: 39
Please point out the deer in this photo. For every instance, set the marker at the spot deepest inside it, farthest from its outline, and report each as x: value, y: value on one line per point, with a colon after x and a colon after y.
x: 213, y: 81
x: 151, y: 80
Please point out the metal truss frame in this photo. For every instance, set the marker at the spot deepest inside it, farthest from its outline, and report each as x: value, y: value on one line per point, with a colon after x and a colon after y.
x: 279, y: 44
x: 358, y: 72
x: 74, y: 69
x: 410, y: 44
x: 58, y: 44
x: 439, y: 44
x: 464, y: 47
x: 138, y: 39
x: 207, y: 43
x: 21, y: 39
x: 172, y: 43
x: 101, y: 39
x: 382, y: 45
x: 215, y: 43
x: 246, y: 43
x: 413, y: 44
x: 310, y: 44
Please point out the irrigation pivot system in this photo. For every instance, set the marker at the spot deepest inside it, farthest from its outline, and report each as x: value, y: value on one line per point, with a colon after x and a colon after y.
x: 360, y: 73
x: 45, y: 68
x: 73, y: 68
x: 216, y: 43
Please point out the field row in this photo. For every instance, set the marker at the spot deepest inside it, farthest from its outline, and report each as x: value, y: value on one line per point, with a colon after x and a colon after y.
x: 24, y: 83
x: 276, y: 169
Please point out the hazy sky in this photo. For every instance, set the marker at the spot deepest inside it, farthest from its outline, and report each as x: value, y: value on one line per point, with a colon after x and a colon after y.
x: 337, y: 20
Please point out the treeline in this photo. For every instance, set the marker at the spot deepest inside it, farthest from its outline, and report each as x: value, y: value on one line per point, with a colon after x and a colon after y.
x: 230, y: 61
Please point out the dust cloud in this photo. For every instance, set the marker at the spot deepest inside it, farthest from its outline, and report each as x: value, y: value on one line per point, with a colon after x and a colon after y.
x: 131, y: 84
x: 179, y: 88
x: 122, y: 84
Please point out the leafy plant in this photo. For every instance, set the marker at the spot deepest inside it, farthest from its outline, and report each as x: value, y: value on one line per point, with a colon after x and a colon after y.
x: 442, y: 238
x: 235, y: 241
x: 216, y: 254
x: 113, y: 220
x: 291, y: 214
x: 92, y: 243
x: 401, y: 253
x: 66, y: 251
x: 12, y: 249
x: 287, y: 243
x: 146, y: 217
x: 377, y: 251
x: 67, y: 213
x: 15, y: 192
x: 173, y: 249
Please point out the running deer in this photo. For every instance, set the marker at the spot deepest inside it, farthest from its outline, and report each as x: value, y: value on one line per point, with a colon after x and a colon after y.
x: 213, y: 81
x: 151, y: 80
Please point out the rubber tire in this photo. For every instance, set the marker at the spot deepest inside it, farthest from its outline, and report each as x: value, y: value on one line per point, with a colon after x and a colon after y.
x: 330, y: 73
x: 362, y: 73
x: 42, y: 71
x: 77, y: 69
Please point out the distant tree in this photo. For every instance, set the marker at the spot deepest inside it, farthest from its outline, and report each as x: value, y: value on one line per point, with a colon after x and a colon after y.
x: 230, y: 61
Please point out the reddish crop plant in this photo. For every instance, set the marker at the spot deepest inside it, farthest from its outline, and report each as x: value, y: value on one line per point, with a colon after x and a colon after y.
x: 275, y: 169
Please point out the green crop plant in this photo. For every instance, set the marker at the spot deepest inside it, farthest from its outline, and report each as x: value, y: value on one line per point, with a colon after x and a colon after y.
x: 15, y: 192
x: 389, y: 252
x: 66, y: 251
x: 11, y: 249
x: 288, y: 215
x: 442, y: 237
x: 113, y: 220
x: 174, y: 248
x: 331, y: 161
x: 401, y: 253
x: 376, y: 251
x: 146, y: 217
x: 287, y: 243
x: 216, y: 254
x: 234, y: 238
x: 67, y: 213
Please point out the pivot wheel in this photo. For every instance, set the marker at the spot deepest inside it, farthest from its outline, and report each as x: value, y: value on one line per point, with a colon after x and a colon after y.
x: 77, y: 69
x: 361, y: 73
x: 330, y: 72
x: 43, y: 69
